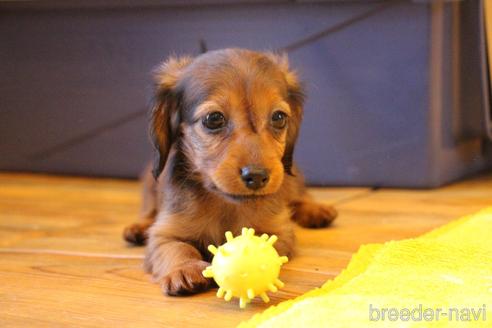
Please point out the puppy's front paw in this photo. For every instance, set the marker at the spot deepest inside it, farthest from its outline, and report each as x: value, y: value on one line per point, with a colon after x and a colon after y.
x: 186, y: 279
x: 313, y: 215
x: 136, y: 233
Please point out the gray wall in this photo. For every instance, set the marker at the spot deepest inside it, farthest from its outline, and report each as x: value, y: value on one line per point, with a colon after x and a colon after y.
x: 68, y: 71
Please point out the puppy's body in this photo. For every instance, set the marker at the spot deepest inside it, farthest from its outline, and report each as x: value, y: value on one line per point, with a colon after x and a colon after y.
x: 224, y: 126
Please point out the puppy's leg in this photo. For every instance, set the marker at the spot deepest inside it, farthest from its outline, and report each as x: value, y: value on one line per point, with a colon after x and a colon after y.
x: 285, y: 243
x: 282, y: 227
x: 176, y: 265
x: 136, y: 233
x: 310, y: 214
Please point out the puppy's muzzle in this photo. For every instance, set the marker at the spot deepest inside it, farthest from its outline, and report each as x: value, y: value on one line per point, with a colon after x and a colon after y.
x: 255, y: 177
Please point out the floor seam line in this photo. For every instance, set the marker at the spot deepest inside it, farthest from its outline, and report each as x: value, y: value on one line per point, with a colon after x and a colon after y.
x: 68, y: 253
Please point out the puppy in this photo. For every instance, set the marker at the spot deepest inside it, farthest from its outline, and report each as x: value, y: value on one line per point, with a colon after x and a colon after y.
x: 224, y: 126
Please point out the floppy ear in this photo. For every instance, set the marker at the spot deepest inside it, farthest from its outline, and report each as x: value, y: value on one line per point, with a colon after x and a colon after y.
x: 296, y: 102
x: 295, y: 99
x: 165, y: 116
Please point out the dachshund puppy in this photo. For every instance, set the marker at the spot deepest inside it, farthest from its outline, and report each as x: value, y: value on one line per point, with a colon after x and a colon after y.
x: 224, y: 127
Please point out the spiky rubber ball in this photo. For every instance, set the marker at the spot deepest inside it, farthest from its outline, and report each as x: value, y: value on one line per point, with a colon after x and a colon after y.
x: 246, y: 266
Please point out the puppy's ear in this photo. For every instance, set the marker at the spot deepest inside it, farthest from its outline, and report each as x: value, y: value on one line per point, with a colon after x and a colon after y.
x: 165, y: 116
x: 295, y: 99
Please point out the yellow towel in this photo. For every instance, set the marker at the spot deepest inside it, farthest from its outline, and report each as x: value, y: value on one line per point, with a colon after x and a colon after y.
x: 441, y: 279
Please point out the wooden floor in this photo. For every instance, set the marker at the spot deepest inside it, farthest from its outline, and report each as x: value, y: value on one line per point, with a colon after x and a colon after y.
x: 63, y: 262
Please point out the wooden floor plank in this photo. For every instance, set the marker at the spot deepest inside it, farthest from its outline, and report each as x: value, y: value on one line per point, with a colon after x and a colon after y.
x: 63, y: 262
x: 392, y: 214
x: 77, y: 214
x: 89, y: 291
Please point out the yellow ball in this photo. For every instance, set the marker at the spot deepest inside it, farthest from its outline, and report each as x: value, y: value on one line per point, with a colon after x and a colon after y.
x: 246, y: 266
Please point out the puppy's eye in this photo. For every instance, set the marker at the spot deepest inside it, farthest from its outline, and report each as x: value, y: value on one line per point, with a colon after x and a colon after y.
x: 214, y: 121
x: 279, y: 120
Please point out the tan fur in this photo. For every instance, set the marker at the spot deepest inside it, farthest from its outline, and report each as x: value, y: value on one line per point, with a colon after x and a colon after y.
x: 199, y: 194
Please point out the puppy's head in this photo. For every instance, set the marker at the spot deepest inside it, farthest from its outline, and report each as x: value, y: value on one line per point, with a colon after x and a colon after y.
x: 234, y: 115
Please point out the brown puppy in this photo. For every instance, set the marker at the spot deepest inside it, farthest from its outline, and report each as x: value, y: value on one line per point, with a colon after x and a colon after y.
x: 224, y: 126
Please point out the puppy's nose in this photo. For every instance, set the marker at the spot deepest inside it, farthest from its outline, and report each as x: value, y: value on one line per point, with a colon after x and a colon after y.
x: 254, y: 177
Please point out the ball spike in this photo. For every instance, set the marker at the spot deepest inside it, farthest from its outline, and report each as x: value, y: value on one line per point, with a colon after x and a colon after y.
x: 242, y: 302
x: 272, y: 239
x: 208, y: 273
x: 264, y: 237
x: 228, y: 295
x: 220, y: 292
x: 244, y: 231
x: 251, y: 232
x: 279, y: 283
x: 272, y: 288
x: 265, y: 297
x: 229, y: 236
x: 212, y: 249
x: 283, y: 259
x: 251, y: 293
